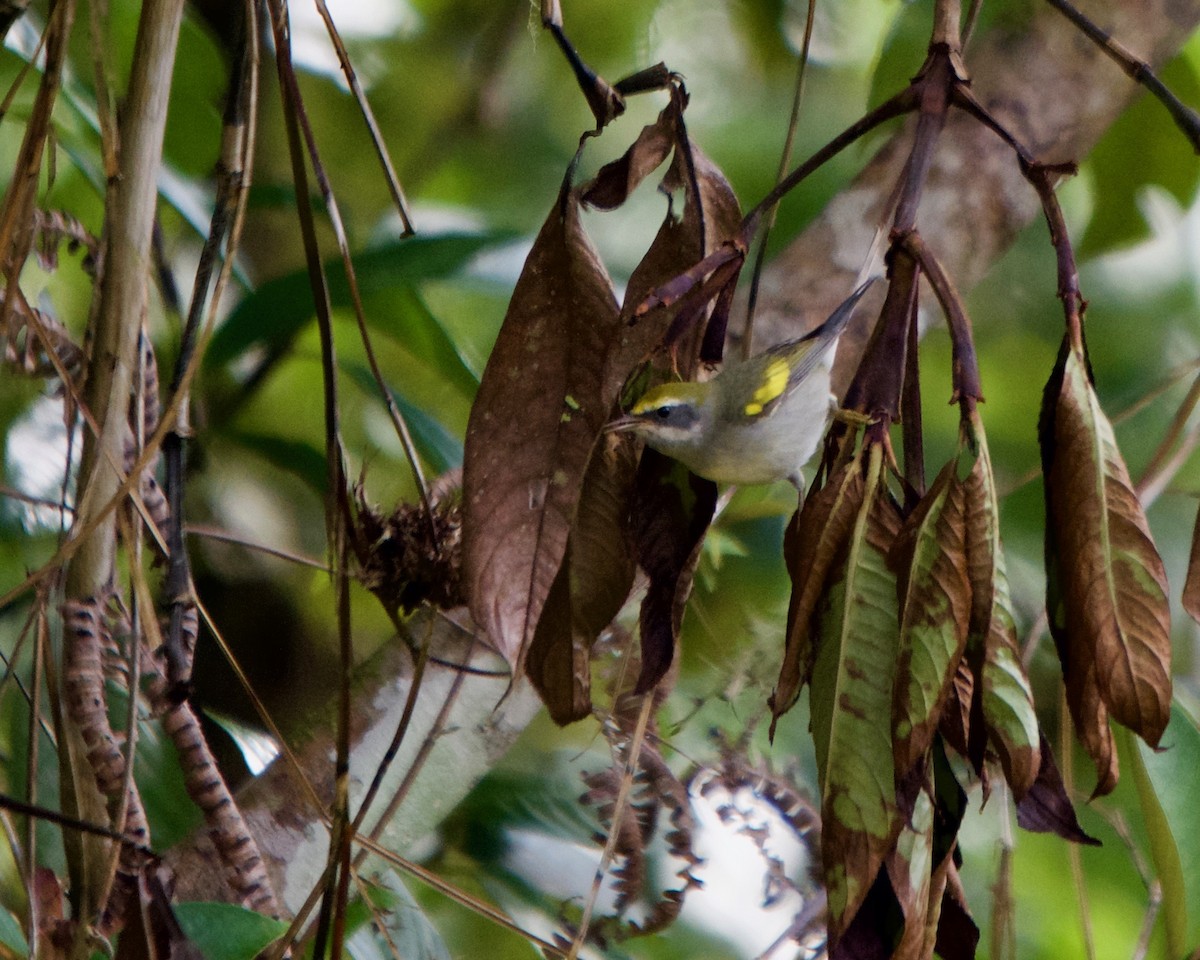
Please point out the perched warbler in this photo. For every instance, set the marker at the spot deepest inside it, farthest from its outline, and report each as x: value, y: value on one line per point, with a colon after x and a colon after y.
x: 754, y: 422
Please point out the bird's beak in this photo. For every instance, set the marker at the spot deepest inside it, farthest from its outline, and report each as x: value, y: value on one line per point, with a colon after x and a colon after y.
x: 622, y: 424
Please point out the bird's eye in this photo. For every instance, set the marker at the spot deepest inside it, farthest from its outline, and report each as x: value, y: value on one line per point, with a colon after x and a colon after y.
x: 663, y: 413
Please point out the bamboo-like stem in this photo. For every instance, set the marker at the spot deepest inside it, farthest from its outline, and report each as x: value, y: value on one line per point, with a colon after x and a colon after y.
x: 123, y: 288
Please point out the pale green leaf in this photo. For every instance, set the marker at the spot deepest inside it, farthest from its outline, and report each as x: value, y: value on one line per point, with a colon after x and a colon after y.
x: 851, y: 705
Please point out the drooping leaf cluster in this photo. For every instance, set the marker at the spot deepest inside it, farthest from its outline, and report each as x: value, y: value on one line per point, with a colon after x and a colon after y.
x: 558, y: 514
x: 900, y: 621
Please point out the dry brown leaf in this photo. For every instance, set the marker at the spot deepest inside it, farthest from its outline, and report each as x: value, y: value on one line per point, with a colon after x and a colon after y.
x: 535, y: 420
x: 814, y: 539
x: 1113, y: 619
x: 671, y: 512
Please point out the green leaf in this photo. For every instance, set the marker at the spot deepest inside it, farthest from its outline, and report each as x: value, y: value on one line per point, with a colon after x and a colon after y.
x: 408, y: 929
x: 1143, y: 146
x: 297, y: 457
x: 277, y: 310
x: 851, y: 706
x: 1004, y: 695
x: 438, y: 447
x: 224, y: 931
x: 11, y: 934
x: 1008, y: 713
x: 1168, y: 783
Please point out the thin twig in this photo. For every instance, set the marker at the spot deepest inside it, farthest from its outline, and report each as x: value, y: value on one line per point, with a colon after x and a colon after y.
x: 364, y: 106
x: 785, y: 160
x: 1137, y: 70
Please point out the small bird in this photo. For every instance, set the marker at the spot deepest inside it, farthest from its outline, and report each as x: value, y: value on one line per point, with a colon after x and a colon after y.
x: 755, y: 422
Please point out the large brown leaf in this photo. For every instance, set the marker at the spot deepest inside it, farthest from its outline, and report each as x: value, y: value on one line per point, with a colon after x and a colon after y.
x: 537, y: 415
x: 1107, y: 589
x: 813, y: 543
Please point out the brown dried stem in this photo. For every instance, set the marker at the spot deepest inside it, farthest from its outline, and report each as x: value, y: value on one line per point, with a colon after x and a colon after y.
x: 964, y: 365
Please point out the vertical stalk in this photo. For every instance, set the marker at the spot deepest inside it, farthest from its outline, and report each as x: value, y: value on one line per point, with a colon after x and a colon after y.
x: 129, y: 219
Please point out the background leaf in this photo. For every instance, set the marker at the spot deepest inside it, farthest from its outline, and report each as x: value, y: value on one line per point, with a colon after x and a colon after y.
x: 224, y: 931
x: 280, y: 308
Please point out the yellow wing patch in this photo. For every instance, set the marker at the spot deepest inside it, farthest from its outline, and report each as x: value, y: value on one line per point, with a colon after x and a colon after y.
x: 775, y: 380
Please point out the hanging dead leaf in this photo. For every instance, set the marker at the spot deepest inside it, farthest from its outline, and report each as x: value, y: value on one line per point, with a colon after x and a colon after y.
x: 615, y: 181
x: 956, y: 715
x: 812, y: 544
x: 671, y: 512
x: 1003, y: 710
x: 935, y: 604
x: 599, y: 569
x: 535, y: 419
x: 1106, y: 586
x: 557, y: 666
x: 957, y: 934
x: 1046, y: 808
x: 711, y: 215
x: 851, y: 705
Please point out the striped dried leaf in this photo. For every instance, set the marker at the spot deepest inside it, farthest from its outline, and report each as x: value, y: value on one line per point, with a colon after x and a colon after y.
x: 1008, y: 714
x: 814, y: 540
x: 1005, y: 697
x: 1106, y: 586
x: 935, y: 603
x: 851, y: 706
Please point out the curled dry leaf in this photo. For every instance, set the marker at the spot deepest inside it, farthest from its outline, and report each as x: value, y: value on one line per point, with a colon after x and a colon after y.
x: 672, y: 509
x: 1003, y: 700
x: 813, y: 543
x: 618, y: 179
x: 535, y: 419
x: 1046, y: 808
x: 1106, y: 589
x: 935, y: 603
x: 851, y: 706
